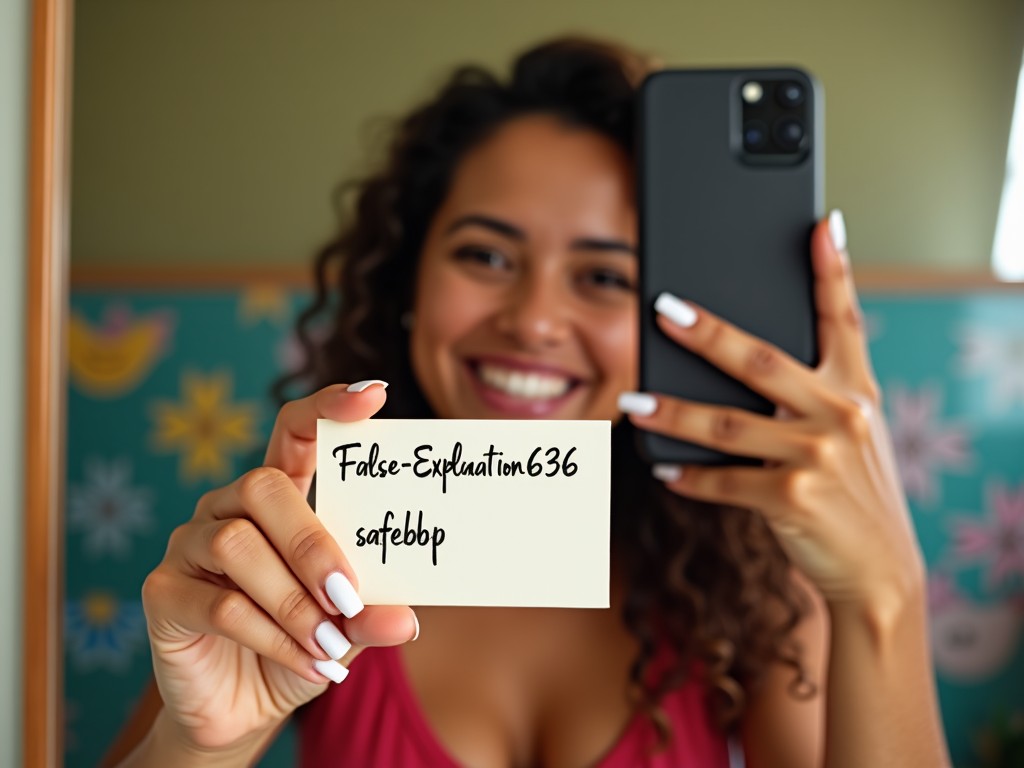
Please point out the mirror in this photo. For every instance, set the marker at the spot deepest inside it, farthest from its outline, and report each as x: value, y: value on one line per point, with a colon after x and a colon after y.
x: 208, y: 140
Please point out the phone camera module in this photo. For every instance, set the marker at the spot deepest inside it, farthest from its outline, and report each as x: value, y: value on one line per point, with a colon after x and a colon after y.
x: 755, y: 135
x: 774, y: 119
x: 790, y: 94
x: 789, y: 134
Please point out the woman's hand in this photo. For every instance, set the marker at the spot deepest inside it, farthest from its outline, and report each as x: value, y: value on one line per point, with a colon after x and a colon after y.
x: 244, y: 610
x: 829, y: 488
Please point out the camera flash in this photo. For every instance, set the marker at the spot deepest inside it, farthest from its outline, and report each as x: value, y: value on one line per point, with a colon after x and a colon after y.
x: 752, y: 92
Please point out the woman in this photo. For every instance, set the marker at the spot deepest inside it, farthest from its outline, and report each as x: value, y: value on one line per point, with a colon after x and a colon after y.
x: 489, y: 271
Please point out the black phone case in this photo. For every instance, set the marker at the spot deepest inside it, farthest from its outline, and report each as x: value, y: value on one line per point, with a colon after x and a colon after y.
x: 732, y: 236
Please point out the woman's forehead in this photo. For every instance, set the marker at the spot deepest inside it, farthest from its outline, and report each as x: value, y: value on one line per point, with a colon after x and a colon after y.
x: 538, y: 169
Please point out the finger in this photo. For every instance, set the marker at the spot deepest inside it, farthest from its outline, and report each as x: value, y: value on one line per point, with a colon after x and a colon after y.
x: 750, y: 487
x: 292, y: 446
x: 197, y: 606
x: 381, y: 625
x: 842, y: 343
x: 763, y: 367
x: 237, y: 549
x: 268, y: 497
x: 731, y: 430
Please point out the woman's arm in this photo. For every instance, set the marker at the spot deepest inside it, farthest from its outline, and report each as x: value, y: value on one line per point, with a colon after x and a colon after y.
x: 882, y: 705
x: 162, y: 747
x: 876, y: 695
x: 141, y: 742
x: 138, y: 726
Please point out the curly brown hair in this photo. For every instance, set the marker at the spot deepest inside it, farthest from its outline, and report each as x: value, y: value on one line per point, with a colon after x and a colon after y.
x: 711, y: 583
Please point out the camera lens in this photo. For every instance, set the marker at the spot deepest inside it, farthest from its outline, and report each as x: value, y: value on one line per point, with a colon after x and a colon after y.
x: 790, y: 94
x: 789, y: 133
x: 755, y: 134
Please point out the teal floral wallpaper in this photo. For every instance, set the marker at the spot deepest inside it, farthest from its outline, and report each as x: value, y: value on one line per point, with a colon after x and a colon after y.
x: 168, y: 398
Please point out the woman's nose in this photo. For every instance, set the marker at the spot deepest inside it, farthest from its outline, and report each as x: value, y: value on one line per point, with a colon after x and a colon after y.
x: 536, y: 313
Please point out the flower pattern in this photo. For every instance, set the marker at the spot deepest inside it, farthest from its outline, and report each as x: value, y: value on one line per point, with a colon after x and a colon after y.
x: 103, y: 632
x: 264, y: 301
x: 976, y: 591
x: 113, y: 357
x: 107, y: 510
x: 995, y: 541
x: 999, y: 356
x: 924, y: 445
x: 206, y: 427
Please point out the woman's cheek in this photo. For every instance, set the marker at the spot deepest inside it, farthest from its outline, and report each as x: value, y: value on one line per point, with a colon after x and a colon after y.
x: 617, y: 349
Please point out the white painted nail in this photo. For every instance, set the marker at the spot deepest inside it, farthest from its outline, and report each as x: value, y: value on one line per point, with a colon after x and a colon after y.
x: 667, y: 473
x: 416, y: 634
x: 675, y: 309
x: 332, y: 670
x: 331, y: 640
x: 639, y: 403
x: 359, y: 386
x: 343, y: 594
x: 837, y: 229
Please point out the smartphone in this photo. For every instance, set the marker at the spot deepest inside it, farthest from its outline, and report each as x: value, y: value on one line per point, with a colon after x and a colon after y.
x: 730, y: 185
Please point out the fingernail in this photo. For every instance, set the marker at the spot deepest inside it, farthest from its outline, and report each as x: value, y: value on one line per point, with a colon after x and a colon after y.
x: 332, y: 670
x: 416, y: 634
x: 359, y: 386
x: 837, y: 229
x: 639, y: 403
x: 343, y: 595
x: 331, y: 640
x: 667, y: 473
x: 675, y: 309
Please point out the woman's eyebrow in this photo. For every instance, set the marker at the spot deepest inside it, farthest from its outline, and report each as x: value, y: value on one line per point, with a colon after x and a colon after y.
x: 515, y: 233
x: 600, y: 244
x: 488, y: 222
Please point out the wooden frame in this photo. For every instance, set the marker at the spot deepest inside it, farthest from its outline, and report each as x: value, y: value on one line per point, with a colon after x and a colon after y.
x: 46, y: 310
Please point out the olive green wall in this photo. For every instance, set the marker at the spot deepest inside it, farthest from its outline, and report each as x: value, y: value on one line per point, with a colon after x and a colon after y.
x: 215, y: 132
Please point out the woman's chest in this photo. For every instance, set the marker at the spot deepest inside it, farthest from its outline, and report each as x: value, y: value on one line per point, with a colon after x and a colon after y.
x: 522, y: 687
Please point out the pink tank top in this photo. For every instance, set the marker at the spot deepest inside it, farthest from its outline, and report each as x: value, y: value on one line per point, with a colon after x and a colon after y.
x: 373, y: 720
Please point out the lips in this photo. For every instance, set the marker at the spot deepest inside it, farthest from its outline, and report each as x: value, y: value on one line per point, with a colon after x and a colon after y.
x: 518, y: 388
x: 530, y: 385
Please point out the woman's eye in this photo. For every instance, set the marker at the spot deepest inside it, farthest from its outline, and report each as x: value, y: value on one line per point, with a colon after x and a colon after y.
x: 484, y: 257
x: 609, y: 279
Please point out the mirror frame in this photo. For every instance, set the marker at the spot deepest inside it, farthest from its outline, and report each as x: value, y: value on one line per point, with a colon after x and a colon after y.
x: 46, y: 309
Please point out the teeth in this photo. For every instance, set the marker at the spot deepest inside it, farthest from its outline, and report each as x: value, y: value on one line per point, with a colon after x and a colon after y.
x: 531, y: 386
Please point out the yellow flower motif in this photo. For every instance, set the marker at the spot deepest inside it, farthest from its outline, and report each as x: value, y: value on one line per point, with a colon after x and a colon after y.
x: 264, y: 301
x: 206, y: 427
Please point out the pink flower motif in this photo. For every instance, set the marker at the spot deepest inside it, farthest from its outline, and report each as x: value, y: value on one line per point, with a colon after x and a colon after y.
x: 924, y: 445
x: 942, y: 592
x: 996, y: 540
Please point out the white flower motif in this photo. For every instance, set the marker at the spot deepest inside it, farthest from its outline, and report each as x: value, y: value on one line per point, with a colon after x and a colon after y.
x: 998, y: 354
x: 107, y: 509
x: 923, y: 444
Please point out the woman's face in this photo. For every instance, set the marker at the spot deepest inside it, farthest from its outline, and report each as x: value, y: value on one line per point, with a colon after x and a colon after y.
x: 526, y: 299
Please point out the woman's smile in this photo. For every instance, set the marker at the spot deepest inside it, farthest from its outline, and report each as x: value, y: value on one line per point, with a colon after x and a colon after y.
x: 513, y: 387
